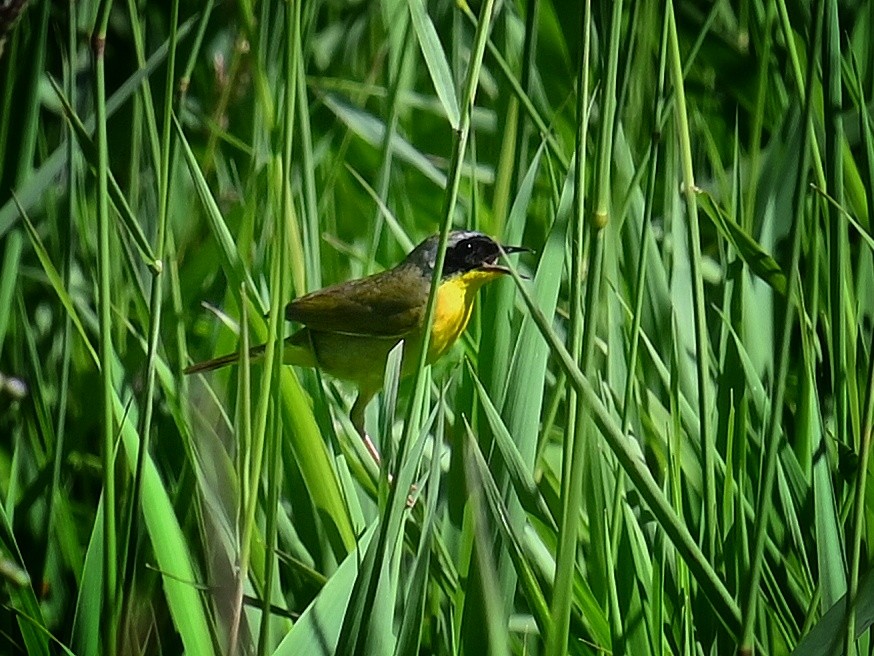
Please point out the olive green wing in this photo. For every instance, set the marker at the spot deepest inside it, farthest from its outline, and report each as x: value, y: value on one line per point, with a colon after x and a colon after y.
x: 389, y: 304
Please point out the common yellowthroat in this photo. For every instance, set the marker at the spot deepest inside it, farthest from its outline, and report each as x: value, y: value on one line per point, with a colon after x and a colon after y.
x: 350, y: 328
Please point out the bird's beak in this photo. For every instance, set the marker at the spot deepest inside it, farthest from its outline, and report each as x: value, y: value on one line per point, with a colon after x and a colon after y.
x: 506, y: 250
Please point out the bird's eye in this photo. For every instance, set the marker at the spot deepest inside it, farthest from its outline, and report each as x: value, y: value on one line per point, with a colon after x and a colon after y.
x: 473, y: 256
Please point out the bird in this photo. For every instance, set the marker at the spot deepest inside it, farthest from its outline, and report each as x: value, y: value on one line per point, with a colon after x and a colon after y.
x: 349, y: 328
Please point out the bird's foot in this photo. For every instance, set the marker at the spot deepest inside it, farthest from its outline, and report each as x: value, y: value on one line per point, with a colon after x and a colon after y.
x: 371, y: 448
x: 374, y: 453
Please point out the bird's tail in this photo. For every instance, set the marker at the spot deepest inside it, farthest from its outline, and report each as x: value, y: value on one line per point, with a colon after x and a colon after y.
x: 296, y: 350
x: 255, y: 353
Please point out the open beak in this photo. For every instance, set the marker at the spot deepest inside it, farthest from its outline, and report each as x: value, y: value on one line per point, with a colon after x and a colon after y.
x: 492, y: 265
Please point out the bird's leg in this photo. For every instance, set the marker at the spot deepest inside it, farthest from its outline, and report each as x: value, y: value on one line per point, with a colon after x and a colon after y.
x: 357, y: 417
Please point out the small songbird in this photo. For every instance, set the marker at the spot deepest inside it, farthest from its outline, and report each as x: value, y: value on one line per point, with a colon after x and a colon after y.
x: 350, y: 328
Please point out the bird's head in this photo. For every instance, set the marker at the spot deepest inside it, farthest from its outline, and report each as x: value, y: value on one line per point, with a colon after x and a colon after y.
x: 467, y: 252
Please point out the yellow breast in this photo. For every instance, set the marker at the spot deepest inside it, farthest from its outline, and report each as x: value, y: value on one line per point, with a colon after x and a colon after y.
x: 454, y: 306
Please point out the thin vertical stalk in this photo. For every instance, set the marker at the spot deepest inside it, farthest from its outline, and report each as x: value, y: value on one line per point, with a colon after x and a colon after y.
x: 175, y: 288
x: 529, y: 63
x: 454, y: 180
x: 312, y: 234
x: 156, y: 301
x: 412, y: 420
x: 837, y: 221
x: 772, y: 436
x: 248, y: 486
x: 104, y: 302
x: 7, y: 94
x: 278, y: 278
x: 543, y: 129
x: 640, y: 280
x: 858, y: 527
x: 645, y: 228
x: 270, y: 442
x: 572, y: 468
x: 279, y: 177
x: 494, y: 354
x: 637, y: 471
x: 702, y: 344
x: 383, y: 176
x: 755, y: 147
x: 274, y: 484
x: 264, y: 99
x: 144, y: 99
x: 591, y: 309
x: 859, y: 507
x: 798, y: 78
x: 31, y: 109
x: 67, y: 237
x: 601, y: 216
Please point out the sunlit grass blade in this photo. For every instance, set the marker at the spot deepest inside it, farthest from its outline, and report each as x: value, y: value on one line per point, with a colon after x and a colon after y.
x: 827, y: 634
x: 760, y: 262
x: 318, y: 629
x: 436, y: 61
x: 372, y: 131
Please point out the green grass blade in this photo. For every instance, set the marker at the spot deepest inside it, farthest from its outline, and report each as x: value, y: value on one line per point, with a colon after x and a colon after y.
x: 630, y: 460
x: 436, y: 61
x: 180, y: 582
x: 22, y: 597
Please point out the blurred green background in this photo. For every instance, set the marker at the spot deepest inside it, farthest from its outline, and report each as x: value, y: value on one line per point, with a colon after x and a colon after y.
x: 654, y: 441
